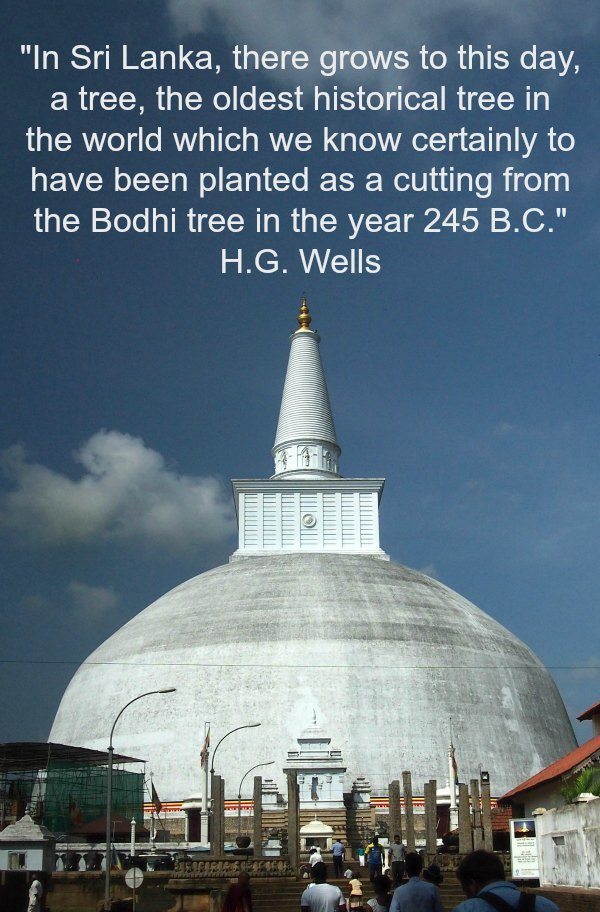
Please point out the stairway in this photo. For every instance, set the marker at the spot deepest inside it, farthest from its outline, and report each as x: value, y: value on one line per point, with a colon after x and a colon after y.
x: 284, y: 895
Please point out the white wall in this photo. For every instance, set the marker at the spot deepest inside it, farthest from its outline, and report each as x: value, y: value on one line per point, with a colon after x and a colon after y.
x: 37, y: 856
x: 569, y: 845
x: 544, y: 796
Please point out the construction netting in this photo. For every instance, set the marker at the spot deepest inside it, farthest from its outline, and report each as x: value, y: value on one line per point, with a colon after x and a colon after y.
x: 76, y: 795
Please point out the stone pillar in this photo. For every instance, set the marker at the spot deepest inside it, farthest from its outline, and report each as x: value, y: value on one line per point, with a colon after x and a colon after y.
x: 395, y: 812
x: 430, y: 793
x: 222, y: 843
x: 293, y: 820
x: 408, y: 811
x: 217, y: 839
x: 204, y: 826
x: 214, y: 801
x: 257, y: 817
x: 465, y: 833
x: 488, y: 841
x: 475, y: 802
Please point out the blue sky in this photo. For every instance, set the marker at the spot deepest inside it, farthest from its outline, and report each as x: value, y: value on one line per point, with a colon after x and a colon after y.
x: 137, y: 380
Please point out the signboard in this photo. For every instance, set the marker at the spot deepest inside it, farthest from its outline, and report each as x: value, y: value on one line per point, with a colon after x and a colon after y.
x: 523, y: 849
x: 134, y: 877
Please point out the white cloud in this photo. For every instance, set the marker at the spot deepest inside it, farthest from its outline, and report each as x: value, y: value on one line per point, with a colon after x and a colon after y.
x: 315, y: 25
x: 93, y: 602
x: 126, y: 492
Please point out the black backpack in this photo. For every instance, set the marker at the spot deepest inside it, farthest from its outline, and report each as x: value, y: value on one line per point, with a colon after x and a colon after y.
x: 526, y: 902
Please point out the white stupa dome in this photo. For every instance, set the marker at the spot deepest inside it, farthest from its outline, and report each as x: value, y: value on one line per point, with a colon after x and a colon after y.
x: 311, y: 617
x: 385, y: 655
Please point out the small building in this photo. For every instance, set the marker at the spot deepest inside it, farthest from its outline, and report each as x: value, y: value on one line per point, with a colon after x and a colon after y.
x: 567, y: 843
x: 320, y: 769
x: 543, y: 791
x: 592, y: 715
x: 316, y: 833
x: 192, y: 808
x: 27, y: 846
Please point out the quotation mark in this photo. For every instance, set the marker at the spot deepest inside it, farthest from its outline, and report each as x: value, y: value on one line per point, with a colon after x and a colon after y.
x: 561, y: 212
x: 42, y: 59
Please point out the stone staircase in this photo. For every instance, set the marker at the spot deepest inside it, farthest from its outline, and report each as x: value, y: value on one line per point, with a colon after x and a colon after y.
x: 284, y: 895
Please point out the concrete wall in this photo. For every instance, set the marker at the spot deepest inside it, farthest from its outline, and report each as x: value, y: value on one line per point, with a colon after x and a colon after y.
x: 569, y: 845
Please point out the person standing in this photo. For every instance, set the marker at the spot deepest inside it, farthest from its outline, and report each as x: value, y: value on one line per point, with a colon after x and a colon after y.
x: 35, y: 895
x: 321, y: 896
x: 239, y: 895
x: 382, y: 899
x: 374, y: 855
x: 396, y: 860
x: 315, y: 856
x: 337, y: 850
x: 416, y: 895
x: 482, y: 878
x: 433, y: 874
x: 355, y: 899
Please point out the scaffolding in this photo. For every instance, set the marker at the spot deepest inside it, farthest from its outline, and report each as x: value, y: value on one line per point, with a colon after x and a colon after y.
x: 64, y: 787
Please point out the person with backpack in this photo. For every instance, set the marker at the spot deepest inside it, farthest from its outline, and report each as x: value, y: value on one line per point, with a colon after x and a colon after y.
x: 374, y: 856
x: 482, y: 878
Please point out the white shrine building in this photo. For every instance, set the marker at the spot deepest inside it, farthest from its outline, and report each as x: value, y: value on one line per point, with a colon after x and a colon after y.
x: 320, y: 769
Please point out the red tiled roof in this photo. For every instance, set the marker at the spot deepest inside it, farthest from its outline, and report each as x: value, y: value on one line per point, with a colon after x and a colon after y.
x: 558, y: 768
x: 589, y: 712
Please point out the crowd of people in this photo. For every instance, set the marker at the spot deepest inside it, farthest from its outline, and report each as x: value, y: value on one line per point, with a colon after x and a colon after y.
x: 411, y: 888
x: 481, y: 875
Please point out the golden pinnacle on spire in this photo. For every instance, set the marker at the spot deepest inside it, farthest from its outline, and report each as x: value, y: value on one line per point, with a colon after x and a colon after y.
x: 304, y: 317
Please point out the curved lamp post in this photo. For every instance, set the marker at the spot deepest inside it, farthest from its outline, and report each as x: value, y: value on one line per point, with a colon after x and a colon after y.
x: 239, y: 728
x: 268, y: 763
x: 107, y: 862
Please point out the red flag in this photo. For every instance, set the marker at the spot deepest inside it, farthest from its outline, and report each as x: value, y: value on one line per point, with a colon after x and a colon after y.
x: 204, y: 751
x: 454, y: 766
x: 156, y: 800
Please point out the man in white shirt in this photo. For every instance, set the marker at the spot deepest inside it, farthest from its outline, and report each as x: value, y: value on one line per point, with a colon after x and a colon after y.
x: 315, y: 856
x: 35, y: 895
x: 321, y: 896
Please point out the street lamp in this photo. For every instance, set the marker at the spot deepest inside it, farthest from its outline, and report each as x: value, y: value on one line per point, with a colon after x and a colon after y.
x: 268, y: 763
x: 149, y: 693
x: 239, y: 728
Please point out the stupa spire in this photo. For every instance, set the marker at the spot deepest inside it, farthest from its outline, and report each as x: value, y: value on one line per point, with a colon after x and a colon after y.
x: 304, y: 317
x: 305, y: 442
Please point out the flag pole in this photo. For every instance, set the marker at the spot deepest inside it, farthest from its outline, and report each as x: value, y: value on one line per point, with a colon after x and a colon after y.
x: 453, y: 770
x: 152, y: 829
x: 204, y: 786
